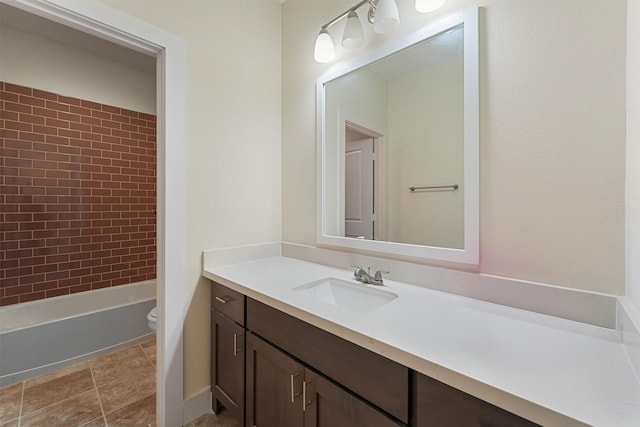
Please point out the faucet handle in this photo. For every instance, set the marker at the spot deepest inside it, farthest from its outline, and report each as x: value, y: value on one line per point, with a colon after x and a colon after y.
x: 358, y: 270
x: 379, y: 273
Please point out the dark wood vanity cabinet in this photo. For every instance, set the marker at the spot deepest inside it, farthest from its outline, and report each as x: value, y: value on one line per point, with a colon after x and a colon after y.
x: 440, y: 405
x: 282, y: 392
x: 376, y: 379
x: 270, y: 369
x: 228, y: 351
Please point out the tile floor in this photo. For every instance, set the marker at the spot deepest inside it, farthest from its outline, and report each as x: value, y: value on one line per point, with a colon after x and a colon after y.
x: 118, y: 389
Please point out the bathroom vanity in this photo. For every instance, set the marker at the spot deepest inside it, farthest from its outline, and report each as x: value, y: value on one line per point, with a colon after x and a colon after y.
x: 284, y: 356
x: 296, y: 374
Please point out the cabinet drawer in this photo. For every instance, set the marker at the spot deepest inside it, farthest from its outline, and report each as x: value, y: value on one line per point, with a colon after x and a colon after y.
x: 440, y: 405
x: 228, y: 302
x: 375, y: 378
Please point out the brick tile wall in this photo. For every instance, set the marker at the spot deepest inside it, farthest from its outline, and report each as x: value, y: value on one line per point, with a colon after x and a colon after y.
x: 78, y: 195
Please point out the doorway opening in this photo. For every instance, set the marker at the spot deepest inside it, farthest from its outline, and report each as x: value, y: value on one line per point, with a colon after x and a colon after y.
x: 364, y: 182
x: 99, y: 20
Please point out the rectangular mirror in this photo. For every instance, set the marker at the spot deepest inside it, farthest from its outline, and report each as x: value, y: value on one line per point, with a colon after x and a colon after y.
x: 398, y: 147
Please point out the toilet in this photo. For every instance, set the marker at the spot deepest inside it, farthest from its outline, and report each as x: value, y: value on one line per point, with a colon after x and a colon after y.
x: 152, y: 319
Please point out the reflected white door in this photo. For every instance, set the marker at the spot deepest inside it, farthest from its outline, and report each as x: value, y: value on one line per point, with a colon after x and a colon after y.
x: 359, y: 176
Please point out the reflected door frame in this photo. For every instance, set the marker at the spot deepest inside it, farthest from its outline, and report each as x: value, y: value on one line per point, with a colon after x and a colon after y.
x: 378, y: 132
x: 359, y: 215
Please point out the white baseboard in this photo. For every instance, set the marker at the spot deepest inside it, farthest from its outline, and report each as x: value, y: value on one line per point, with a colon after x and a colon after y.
x: 197, y: 405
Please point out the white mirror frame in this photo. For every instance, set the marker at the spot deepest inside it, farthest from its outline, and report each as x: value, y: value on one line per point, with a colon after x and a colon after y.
x: 470, y: 254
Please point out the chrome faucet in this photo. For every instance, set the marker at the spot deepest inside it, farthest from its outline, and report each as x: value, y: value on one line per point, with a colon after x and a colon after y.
x: 365, y: 276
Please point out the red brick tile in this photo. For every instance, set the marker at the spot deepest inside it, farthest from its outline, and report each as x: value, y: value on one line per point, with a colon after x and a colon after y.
x: 45, y: 95
x: 52, y: 105
x: 45, y: 112
x: 68, y: 117
x: 9, y: 115
x: 29, y: 100
x: 69, y: 100
x: 46, y: 130
x: 10, y: 87
x: 19, y: 126
x: 72, y: 170
x: 83, y: 111
x: 90, y: 121
x: 4, y: 301
x: 57, y: 292
x: 111, y: 109
x: 90, y: 104
x: 79, y: 288
x: 32, y: 296
x: 48, y: 285
x: 35, y: 137
x: 100, y: 115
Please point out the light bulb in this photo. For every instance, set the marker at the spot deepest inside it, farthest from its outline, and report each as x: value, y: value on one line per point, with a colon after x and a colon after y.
x: 324, y: 50
x: 353, y: 36
x: 386, y: 17
x: 429, y: 5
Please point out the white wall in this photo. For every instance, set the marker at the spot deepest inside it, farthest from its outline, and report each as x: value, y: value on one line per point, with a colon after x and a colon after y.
x: 32, y: 61
x: 552, y: 114
x: 633, y: 154
x: 233, y: 135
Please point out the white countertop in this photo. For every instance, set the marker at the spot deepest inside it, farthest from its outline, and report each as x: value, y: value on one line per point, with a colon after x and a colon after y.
x: 552, y: 371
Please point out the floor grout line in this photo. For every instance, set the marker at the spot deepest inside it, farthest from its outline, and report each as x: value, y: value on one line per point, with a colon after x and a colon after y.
x: 21, y: 401
x: 104, y: 417
x: 148, y: 357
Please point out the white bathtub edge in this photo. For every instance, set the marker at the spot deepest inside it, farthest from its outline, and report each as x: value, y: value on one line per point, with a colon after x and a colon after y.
x: 27, y: 314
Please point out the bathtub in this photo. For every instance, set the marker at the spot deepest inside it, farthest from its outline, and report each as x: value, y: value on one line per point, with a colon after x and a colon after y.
x: 40, y: 336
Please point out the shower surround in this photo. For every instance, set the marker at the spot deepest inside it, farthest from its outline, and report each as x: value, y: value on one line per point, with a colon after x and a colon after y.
x: 78, y: 195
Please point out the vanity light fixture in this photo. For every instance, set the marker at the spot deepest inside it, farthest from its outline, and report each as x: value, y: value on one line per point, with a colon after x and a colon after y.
x: 353, y: 36
x: 324, y: 50
x: 386, y: 16
x: 382, y: 14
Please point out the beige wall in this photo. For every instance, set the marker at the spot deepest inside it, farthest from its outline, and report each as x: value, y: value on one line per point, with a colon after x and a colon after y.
x: 633, y: 153
x: 552, y: 137
x: 33, y: 61
x: 426, y: 147
x: 233, y: 136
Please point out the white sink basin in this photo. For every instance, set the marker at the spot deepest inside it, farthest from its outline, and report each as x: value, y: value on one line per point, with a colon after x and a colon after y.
x: 357, y: 297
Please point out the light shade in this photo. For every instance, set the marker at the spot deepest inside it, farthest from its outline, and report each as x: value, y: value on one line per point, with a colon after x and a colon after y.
x: 324, y: 50
x: 429, y: 5
x: 386, y: 17
x: 353, y: 36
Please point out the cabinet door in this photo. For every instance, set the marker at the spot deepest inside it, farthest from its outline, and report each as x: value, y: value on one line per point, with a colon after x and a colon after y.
x: 227, y: 365
x: 375, y: 378
x: 327, y: 405
x: 274, y: 386
x: 440, y: 405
